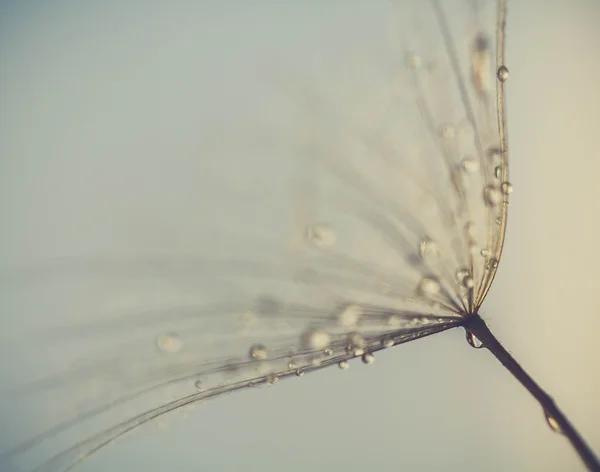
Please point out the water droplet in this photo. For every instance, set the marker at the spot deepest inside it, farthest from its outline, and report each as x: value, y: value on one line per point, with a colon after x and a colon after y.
x: 506, y: 187
x: 429, y: 250
x: 492, y: 195
x: 320, y: 236
x: 429, y: 286
x: 169, y: 342
x: 494, y: 153
x: 470, y: 165
x: 485, y: 252
x: 328, y: 352
x: 387, y: 343
x: 258, y: 352
x: 272, y: 379
x: 554, y: 426
x: 315, y: 339
x: 502, y: 73
x: 474, y: 340
x: 464, y: 278
x: 198, y: 385
x: 299, y: 373
x: 492, y: 264
x: 448, y: 132
x: 349, y: 316
x: 368, y: 358
x: 343, y: 365
x: 356, y: 345
x: 413, y: 60
x: 498, y: 172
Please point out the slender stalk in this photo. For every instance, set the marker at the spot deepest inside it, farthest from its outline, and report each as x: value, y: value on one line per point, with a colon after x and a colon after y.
x: 556, y: 418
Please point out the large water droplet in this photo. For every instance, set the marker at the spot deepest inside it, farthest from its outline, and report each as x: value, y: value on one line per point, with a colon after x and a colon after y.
x: 554, y: 426
x: 429, y: 286
x: 506, y: 187
x: 258, y: 352
x: 343, y: 365
x: 502, y: 73
x: 315, y: 339
x: 320, y: 236
x: 474, y: 340
x: 349, y: 316
x: 368, y: 358
x: 429, y: 250
x: 492, y: 195
x: 169, y: 342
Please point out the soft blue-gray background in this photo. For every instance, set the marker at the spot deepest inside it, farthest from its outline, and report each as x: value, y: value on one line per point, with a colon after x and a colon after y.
x: 431, y: 405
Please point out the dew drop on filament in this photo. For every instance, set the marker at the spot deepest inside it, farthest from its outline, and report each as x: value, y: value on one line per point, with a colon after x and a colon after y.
x: 343, y: 365
x: 368, y: 358
x: 474, y: 340
x: 502, y: 73
x: 554, y: 426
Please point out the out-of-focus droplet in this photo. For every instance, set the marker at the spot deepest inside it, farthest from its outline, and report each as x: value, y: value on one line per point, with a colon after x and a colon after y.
x: 498, y: 172
x: 448, y: 132
x: 484, y: 252
x: 315, y: 339
x: 413, y: 60
x: 429, y: 250
x: 328, y: 352
x: 349, y: 316
x: 272, y: 379
x: 320, y: 236
x: 429, y: 286
x: 494, y: 153
x: 474, y: 340
x: 502, y: 73
x: 258, y: 352
x: 480, y: 63
x: 356, y: 345
x: 506, y: 187
x: 469, y: 164
x: 492, y: 195
x: 387, y: 343
x: 343, y: 365
x: 198, y: 385
x: 169, y: 342
x: 299, y: 373
x: 499, y: 219
x: 464, y: 278
x: 368, y: 358
x: 554, y: 426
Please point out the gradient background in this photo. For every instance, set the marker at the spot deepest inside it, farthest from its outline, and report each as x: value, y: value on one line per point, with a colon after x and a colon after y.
x: 431, y: 405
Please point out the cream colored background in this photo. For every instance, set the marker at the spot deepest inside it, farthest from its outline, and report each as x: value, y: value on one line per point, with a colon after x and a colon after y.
x: 435, y: 404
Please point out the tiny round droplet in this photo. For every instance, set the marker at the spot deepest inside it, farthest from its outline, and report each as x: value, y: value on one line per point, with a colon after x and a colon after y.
x: 492, y: 195
x: 492, y: 264
x: 474, y: 340
x: 321, y: 236
x: 198, y: 385
x: 328, y: 352
x: 258, y: 352
x: 429, y: 250
x: 554, y: 426
x: 429, y: 286
x: 343, y: 365
x: 387, y: 343
x: 299, y: 373
x: 485, y: 252
x: 368, y: 358
x: 502, y: 73
x: 272, y: 379
x: 169, y: 342
x: 470, y: 165
x: 506, y: 187
x: 315, y: 339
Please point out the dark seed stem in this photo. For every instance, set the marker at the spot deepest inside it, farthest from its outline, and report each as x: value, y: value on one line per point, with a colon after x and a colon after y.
x: 477, y: 326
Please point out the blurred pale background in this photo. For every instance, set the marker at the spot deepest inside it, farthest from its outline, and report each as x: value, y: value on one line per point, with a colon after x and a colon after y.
x: 435, y: 404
